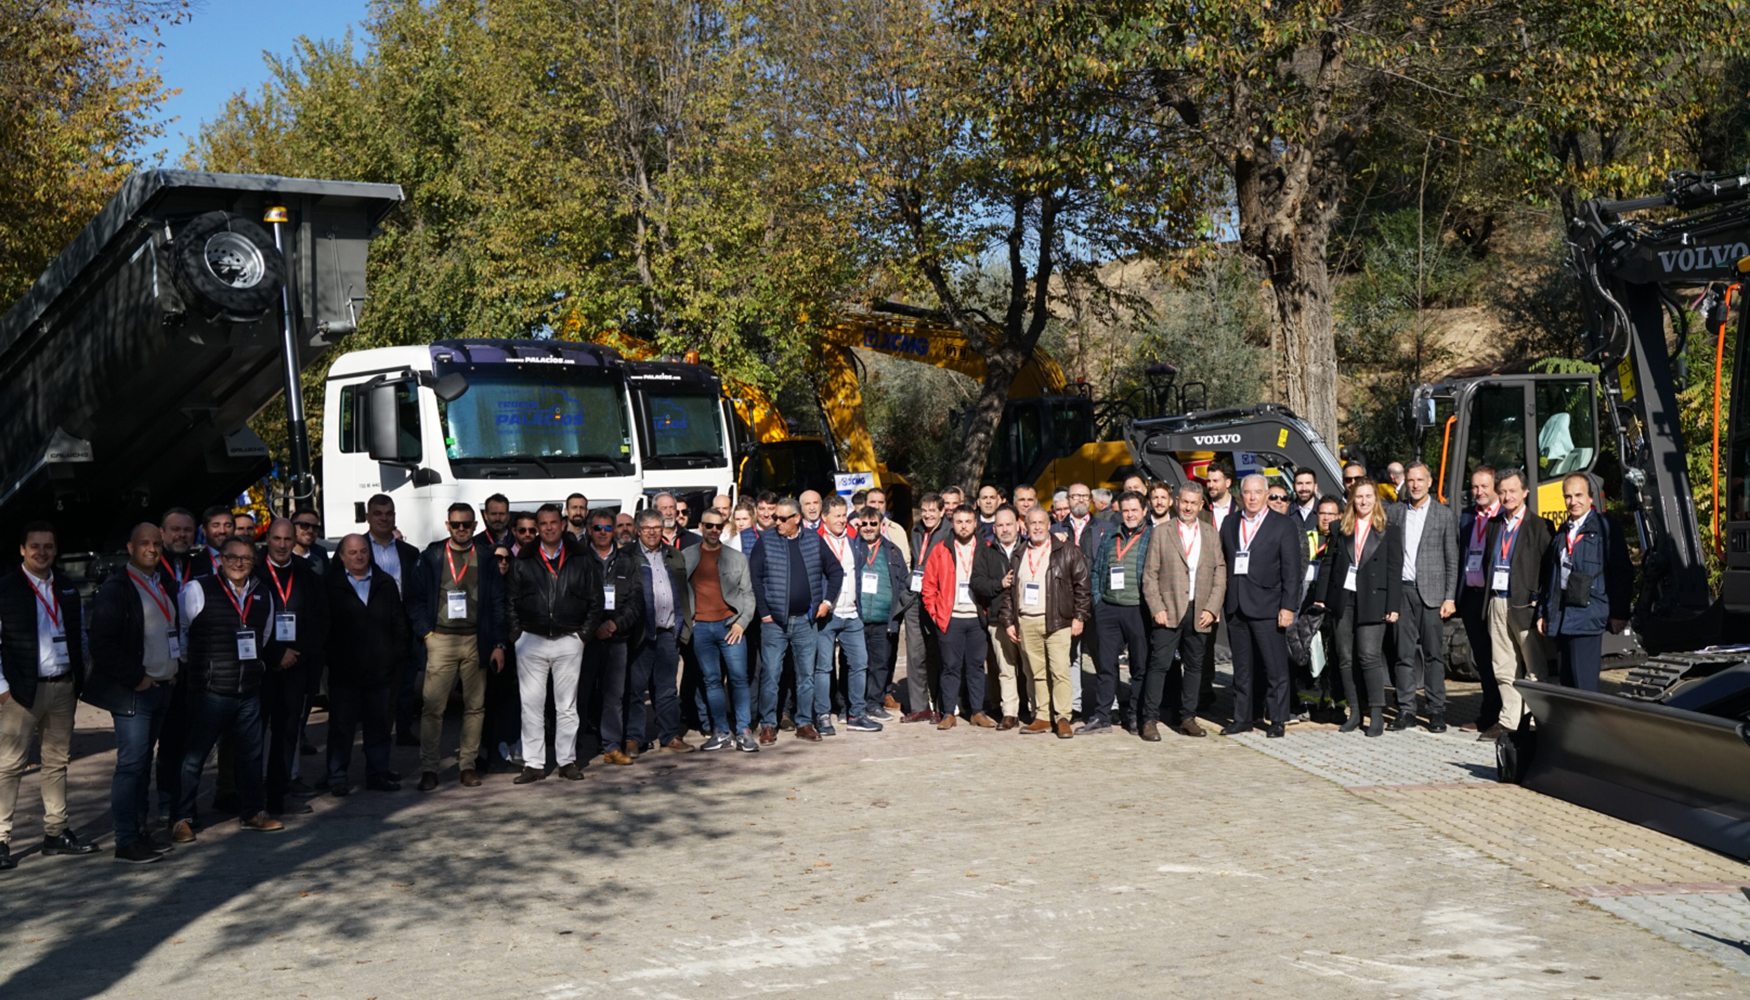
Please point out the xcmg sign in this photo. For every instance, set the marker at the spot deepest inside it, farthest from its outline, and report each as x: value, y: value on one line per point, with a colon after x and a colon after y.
x: 1719, y: 257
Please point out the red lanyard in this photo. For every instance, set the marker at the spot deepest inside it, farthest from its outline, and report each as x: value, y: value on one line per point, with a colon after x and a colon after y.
x: 837, y: 545
x: 1479, y: 528
x: 874, y: 553
x: 1120, y: 548
x: 1032, y: 564
x: 1188, y: 543
x: 1574, y: 535
x: 549, y: 562
x: 286, y: 591
x: 964, y: 567
x: 182, y: 580
x: 152, y: 590
x: 1508, y: 534
x: 213, y: 558
x: 1361, y: 529
x: 449, y: 557
x: 1245, y: 537
x: 51, y: 606
x: 225, y: 585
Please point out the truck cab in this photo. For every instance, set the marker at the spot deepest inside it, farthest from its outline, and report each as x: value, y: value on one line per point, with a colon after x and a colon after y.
x: 459, y: 420
x: 683, y: 435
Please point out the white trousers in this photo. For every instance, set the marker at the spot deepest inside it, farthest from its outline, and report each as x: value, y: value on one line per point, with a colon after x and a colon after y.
x: 538, y: 660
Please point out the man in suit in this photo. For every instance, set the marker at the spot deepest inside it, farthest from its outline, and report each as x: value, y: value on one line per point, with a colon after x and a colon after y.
x: 294, y: 645
x: 1218, y: 506
x: 655, y: 659
x: 1472, y: 594
x: 368, y: 637
x: 1306, y: 499
x: 1266, y: 562
x: 1430, y: 532
x: 398, y: 559
x: 1184, y: 584
x: 1513, y: 559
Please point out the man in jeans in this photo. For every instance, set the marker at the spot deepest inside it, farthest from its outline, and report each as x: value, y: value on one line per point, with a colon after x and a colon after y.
x: 608, y: 650
x: 462, y: 621
x: 227, y: 618
x: 135, y: 653
x: 882, y: 600
x: 723, y: 604
x: 656, y: 658
x: 844, y: 628
x: 792, y: 576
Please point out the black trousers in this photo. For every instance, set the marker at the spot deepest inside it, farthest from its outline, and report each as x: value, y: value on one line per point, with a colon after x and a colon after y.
x: 605, y: 663
x: 504, y: 708
x: 282, y: 723
x: 1118, y: 628
x: 1578, y: 660
x: 349, y: 705
x: 1361, y: 652
x: 882, y: 649
x: 1260, y: 651
x: 172, y: 742
x: 1163, y: 642
x: 1421, y: 654
x: 1482, y: 651
x: 964, y: 646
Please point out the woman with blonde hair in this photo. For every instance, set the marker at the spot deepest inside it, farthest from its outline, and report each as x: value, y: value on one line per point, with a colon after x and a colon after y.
x: 1361, y: 585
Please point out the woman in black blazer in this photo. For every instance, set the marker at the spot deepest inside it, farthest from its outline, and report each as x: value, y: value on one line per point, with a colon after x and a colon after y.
x: 1361, y: 585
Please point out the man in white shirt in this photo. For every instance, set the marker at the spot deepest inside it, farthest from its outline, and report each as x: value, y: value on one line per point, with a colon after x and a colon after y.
x: 843, y: 629
x: 1005, y: 653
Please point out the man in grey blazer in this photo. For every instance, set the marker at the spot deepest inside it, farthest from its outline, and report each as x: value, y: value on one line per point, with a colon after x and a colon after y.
x: 1430, y: 574
x: 721, y: 605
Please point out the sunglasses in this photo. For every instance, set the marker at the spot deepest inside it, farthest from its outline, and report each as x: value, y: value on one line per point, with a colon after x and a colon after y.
x: 710, y: 524
x: 303, y: 526
x: 868, y: 524
x: 1278, y: 498
x: 601, y: 527
x: 461, y: 524
x: 787, y: 517
x: 1353, y: 479
x: 525, y: 531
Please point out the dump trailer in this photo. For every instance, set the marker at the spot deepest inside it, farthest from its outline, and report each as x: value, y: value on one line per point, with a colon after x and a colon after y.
x: 130, y: 369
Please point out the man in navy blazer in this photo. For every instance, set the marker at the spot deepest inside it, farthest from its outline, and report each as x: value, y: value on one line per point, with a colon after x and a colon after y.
x: 1266, y: 562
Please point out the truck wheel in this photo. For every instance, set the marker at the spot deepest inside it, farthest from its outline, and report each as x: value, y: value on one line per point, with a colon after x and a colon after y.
x: 227, y: 267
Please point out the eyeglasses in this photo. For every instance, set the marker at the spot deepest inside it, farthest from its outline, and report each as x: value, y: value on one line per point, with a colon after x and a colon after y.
x: 601, y: 527
x: 237, y: 559
x: 461, y: 524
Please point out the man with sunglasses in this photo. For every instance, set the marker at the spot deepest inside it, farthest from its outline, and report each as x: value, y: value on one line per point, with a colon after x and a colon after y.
x: 462, y: 620
x: 1277, y: 499
x: 793, y: 579
x: 923, y: 657
x: 881, y: 585
x: 306, y: 528
x: 844, y: 630
x: 522, y: 531
x: 607, y: 651
x: 294, y: 646
x: 722, y: 606
x: 556, y: 597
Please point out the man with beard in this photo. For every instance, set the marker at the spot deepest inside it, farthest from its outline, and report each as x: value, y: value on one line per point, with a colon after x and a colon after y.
x: 577, y: 516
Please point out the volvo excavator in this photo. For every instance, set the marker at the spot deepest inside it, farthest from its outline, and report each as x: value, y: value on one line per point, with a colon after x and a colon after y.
x: 1671, y: 750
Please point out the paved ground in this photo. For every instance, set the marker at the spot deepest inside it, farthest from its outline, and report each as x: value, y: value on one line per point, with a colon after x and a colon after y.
x: 906, y: 864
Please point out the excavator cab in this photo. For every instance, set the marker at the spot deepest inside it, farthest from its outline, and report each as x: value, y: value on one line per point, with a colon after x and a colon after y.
x: 1036, y: 431
x: 1546, y: 425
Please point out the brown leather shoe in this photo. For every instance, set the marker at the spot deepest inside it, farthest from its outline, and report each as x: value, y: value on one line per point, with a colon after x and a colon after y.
x: 182, y: 832
x: 983, y: 721
x: 632, y: 749
x: 808, y: 732
x: 678, y: 745
x: 263, y: 823
x: 530, y: 774
x: 1190, y: 728
x: 1151, y: 731
x: 1038, y: 725
x: 768, y: 735
x: 891, y: 703
x: 1009, y: 722
x: 916, y: 717
x: 427, y: 781
x: 1493, y: 733
x: 948, y: 722
x: 571, y: 772
x: 615, y: 757
x: 1063, y: 730
x: 470, y: 779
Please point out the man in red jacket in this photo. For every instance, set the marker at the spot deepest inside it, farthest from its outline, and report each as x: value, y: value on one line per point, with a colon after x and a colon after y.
x: 961, y: 579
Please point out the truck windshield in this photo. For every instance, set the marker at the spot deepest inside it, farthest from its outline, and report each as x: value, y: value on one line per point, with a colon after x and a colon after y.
x: 566, y: 415
x: 683, y: 429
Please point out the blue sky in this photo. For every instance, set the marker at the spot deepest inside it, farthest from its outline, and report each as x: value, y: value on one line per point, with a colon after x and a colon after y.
x: 219, y: 50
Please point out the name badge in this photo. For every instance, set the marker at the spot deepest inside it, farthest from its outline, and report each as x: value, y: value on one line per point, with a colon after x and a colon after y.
x: 1115, y: 579
x: 285, y: 628
x: 1312, y: 572
x: 1473, y: 562
x: 963, y: 593
x: 1349, y: 580
x: 457, y: 603
x: 608, y: 596
x: 871, y: 583
x: 246, y: 644
x: 1242, y: 562
x: 174, y: 638
x: 917, y: 580
x: 1499, y: 580
x: 58, y: 644
x: 1030, y: 594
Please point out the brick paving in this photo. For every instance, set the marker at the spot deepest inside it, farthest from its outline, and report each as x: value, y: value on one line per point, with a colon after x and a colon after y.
x: 908, y: 863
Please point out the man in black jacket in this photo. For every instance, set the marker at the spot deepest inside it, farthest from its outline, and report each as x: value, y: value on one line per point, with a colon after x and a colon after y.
x: 399, y: 560
x: 176, y: 566
x: 42, y: 666
x: 555, y: 594
x: 294, y: 646
x: 227, y: 618
x: 606, y: 654
x: 136, y: 650
x: 461, y: 621
x: 367, y: 640
x: 1266, y: 562
x: 1513, y: 554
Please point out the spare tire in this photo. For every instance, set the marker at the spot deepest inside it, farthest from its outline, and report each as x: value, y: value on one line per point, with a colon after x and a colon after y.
x: 227, y: 267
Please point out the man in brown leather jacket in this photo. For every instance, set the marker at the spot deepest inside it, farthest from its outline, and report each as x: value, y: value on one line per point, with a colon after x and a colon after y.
x: 1049, y: 603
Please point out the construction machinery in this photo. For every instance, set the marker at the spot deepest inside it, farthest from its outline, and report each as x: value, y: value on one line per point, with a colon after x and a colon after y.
x: 1671, y: 750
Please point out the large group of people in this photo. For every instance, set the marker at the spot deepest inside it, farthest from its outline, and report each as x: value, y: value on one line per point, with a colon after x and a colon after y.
x: 576, y: 633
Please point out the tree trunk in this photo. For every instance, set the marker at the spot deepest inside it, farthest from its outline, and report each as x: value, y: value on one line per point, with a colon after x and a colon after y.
x: 1300, y: 289
x: 983, y: 418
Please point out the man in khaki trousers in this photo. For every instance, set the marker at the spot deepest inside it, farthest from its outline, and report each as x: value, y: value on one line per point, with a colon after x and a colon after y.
x: 1048, y: 603
x: 1512, y: 560
x: 464, y: 631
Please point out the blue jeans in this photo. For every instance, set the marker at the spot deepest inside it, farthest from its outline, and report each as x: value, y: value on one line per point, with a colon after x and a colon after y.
x: 135, y: 736
x: 711, y: 646
x: 654, y: 669
x: 848, y: 633
x: 796, y: 634
x: 209, y: 716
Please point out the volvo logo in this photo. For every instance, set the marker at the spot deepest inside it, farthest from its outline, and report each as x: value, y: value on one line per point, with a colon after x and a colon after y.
x: 1703, y: 258
x: 1213, y: 439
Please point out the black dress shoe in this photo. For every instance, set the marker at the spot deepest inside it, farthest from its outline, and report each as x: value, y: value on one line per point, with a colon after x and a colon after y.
x: 308, y: 749
x: 301, y: 788
x: 392, y: 775
x: 1401, y: 723
x: 340, y: 791
x: 530, y: 774
x: 1276, y: 731
x: 7, y: 861
x: 384, y: 785
x: 1235, y: 729
x: 1437, y: 723
x: 293, y: 809
x: 66, y: 843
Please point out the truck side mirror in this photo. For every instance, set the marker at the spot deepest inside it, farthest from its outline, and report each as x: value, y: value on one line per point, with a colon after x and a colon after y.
x: 450, y: 387
x: 383, y: 422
